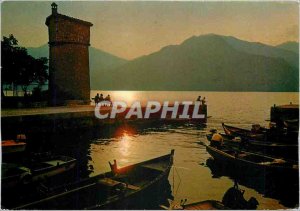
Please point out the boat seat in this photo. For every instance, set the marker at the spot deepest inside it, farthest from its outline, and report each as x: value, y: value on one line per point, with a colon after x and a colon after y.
x: 111, y: 183
x: 108, y: 182
x: 242, y: 155
x: 133, y: 187
x: 55, y: 162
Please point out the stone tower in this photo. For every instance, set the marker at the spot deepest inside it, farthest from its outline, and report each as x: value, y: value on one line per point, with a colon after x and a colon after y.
x: 69, y: 40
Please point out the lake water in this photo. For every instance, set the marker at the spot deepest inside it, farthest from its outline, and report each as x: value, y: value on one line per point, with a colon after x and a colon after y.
x: 194, y: 176
x: 193, y: 179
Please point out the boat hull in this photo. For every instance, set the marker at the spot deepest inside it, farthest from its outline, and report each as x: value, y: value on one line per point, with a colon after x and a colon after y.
x: 273, y: 135
x: 27, y: 174
x: 289, y: 151
x: 243, y: 133
x: 126, y: 188
x: 205, y: 205
x: 260, y: 168
x: 9, y: 147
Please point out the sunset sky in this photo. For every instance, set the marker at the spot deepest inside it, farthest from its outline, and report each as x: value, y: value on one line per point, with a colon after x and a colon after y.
x: 133, y: 29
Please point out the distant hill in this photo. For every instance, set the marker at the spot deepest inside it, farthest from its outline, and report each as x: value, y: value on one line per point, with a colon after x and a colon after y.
x: 263, y: 50
x: 100, y: 62
x: 209, y: 63
x: 291, y: 46
x: 36, y: 52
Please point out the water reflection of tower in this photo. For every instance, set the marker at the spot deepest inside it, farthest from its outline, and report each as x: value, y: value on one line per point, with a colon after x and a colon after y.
x: 69, y: 40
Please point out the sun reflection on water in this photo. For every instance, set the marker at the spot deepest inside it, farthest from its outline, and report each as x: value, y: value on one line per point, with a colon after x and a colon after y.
x: 125, y: 143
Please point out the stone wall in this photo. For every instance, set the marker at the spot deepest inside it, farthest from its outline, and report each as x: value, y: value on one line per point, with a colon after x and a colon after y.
x: 69, y: 40
x: 69, y: 72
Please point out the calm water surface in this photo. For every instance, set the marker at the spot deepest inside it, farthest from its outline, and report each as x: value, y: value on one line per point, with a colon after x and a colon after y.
x: 194, y: 176
x: 191, y: 177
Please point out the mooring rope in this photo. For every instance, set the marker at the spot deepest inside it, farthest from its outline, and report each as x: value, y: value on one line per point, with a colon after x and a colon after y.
x: 173, y: 186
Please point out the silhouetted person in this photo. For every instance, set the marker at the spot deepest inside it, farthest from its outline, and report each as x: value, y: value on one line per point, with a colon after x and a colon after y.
x: 199, y: 99
x: 96, y: 99
x: 203, y: 101
x: 234, y: 199
x: 101, y: 98
x: 216, y: 139
x: 107, y: 98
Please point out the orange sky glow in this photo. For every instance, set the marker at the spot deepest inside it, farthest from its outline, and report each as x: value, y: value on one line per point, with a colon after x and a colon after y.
x: 133, y: 29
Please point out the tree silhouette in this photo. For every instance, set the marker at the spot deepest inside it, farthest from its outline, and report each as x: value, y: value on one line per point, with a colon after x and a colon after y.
x: 18, y: 67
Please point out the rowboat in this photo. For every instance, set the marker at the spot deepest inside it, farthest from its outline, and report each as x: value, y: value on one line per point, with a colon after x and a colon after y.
x: 289, y: 151
x: 205, y: 205
x: 217, y: 205
x: 121, y: 188
x: 262, y: 134
x: 202, y: 205
x: 12, y: 146
x: 232, y: 199
x: 252, y: 164
x: 16, y: 174
x: 292, y: 124
x: 235, y: 131
x: 281, y: 113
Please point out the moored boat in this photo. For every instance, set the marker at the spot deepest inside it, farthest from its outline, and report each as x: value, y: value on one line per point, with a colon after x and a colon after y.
x: 121, y: 188
x: 12, y: 146
x: 214, y: 205
x: 202, y: 205
x: 258, y: 133
x: 289, y: 151
x: 232, y: 199
x: 250, y: 164
x: 205, y: 205
x: 281, y: 113
x: 235, y: 131
x: 16, y: 174
x: 292, y: 124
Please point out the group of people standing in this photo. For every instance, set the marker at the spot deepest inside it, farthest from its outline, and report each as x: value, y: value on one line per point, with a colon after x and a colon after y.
x: 203, y: 101
x: 99, y: 98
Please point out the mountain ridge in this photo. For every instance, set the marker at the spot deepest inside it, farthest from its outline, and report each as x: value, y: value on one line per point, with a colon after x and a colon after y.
x: 290, y: 46
x: 162, y: 69
x: 100, y: 61
x: 206, y: 63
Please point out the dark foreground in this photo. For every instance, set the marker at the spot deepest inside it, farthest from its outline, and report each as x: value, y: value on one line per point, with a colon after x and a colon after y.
x: 195, y: 176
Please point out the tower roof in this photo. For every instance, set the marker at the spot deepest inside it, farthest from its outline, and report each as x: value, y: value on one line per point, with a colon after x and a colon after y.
x: 67, y: 18
x: 57, y: 15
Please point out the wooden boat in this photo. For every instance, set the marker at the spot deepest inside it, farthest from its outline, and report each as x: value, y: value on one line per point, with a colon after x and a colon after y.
x: 211, y: 205
x: 281, y: 113
x: 289, y: 151
x: 205, y: 205
x: 263, y: 134
x: 248, y: 163
x: 235, y: 131
x: 292, y: 124
x: 232, y: 199
x: 121, y: 188
x: 12, y: 146
x: 14, y: 174
x: 202, y: 205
